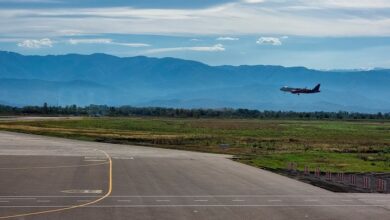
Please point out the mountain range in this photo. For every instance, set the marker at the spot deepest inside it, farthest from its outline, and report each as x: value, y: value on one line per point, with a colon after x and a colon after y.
x: 170, y: 82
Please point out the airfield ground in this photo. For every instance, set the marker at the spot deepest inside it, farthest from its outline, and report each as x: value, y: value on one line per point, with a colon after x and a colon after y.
x: 54, y: 178
x: 348, y: 146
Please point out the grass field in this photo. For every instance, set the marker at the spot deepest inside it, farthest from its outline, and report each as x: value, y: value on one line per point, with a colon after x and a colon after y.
x: 358, y: 146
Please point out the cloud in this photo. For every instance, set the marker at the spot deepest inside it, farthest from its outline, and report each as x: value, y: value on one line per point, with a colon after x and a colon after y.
x: 91, y: 41
x: 253, y: 1
x: 44, y: 42
x: 227, y: 38
x: 269, y: 41
x: 327, y: 3
x: 348, y: 3
x: 8, y: 39
x: 69, y: 32
x: 214, y: 48
x: 132, y: 44
x: 323, y: 18
x: 105, y: 41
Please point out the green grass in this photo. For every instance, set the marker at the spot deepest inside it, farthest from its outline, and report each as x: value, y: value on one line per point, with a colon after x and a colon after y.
x: 326, y: 161
x: 356, y: 146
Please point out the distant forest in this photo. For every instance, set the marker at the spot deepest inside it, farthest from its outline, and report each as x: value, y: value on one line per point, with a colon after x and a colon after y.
x: 103, y: 110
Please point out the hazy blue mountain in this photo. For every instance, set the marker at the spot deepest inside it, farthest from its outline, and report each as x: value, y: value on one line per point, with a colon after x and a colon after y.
x: 36, y: 92
x: 169, y: 82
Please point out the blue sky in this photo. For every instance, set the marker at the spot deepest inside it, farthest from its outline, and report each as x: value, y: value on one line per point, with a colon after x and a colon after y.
x: 321, y: 34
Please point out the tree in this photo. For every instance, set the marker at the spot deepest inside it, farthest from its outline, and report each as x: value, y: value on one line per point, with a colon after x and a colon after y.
x: 45, y: 109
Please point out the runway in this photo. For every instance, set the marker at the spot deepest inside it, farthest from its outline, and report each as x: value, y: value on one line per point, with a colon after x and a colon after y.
x: 54, y: 178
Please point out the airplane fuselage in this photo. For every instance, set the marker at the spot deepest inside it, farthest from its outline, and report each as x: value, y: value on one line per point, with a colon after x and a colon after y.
x: 306, y: 91
x: 298, y: 91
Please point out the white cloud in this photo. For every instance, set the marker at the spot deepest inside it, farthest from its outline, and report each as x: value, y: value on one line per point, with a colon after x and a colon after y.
x: 44, y: 42
x: 91, y: 41
x: 132, y: 44
x: 105, y: 41
x: 328, y: 3
x: 348, y: 3
x: 253, y: 1
x: 195, y: 39
x: 214, y: 48
x: 227, y: 38
x: 269, y: 41
x: 273, y: 17
x: 7, y: 39
x: 69, y: 32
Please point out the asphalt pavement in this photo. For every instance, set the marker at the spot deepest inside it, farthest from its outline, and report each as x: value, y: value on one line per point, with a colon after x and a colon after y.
x: 53, y: 178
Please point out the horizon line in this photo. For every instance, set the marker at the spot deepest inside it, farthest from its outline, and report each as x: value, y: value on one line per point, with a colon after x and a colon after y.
x: 362, y: 69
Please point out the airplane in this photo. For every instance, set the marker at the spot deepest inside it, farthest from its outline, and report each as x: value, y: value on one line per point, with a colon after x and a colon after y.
x: 298, y: 91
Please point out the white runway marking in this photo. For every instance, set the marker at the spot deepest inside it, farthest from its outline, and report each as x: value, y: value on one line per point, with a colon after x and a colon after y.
x: 84, y: 191
x: 123, y: 158
x: 124, y: 200
x: 163, y: 200
x: 83, y: 200
x: 311, y: 200
x: 53, y: 167
x: 201, y: 200
x: 95, y: 160
x: 238, y: 200
x: 274, y: 200
x: 346, y: 200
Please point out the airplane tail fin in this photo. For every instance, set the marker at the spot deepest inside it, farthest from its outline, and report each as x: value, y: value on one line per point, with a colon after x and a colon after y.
x: 317, y: 88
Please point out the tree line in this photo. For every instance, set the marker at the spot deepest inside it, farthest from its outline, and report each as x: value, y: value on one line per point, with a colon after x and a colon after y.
x: 103, y: 110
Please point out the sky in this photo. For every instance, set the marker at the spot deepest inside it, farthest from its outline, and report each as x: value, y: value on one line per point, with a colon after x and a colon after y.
x: 319, y: 34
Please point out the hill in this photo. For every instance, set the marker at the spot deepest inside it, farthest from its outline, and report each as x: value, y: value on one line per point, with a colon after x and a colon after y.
x: 169, y: 82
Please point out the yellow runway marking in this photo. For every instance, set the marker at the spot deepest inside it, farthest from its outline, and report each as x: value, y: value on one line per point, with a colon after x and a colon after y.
x: 73, y: 206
